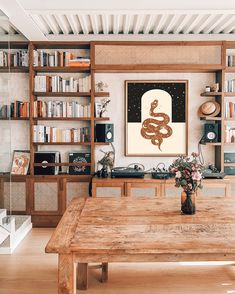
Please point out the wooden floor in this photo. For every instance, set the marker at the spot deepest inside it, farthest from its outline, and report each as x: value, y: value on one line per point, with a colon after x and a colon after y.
x: 29, y: 270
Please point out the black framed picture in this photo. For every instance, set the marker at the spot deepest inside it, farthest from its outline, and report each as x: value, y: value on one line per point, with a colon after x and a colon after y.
x: 156, y: 118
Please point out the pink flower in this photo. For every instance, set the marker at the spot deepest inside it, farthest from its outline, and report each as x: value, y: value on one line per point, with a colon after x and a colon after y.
x: 196, y: 176
x: 178, y: 174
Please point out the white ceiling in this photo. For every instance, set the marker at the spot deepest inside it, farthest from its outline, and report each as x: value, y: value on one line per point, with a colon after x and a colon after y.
x: 105, y: 19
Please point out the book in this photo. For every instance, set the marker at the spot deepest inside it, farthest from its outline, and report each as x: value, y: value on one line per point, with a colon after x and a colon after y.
x: 79, y: 157
x: 46, y: 157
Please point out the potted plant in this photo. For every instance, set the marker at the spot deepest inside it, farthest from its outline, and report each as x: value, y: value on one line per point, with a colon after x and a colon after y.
x: 188, y: 175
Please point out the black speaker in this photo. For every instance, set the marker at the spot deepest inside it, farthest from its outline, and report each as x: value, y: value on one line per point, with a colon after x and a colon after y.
x: 104, y: 133
x: 211, y: 132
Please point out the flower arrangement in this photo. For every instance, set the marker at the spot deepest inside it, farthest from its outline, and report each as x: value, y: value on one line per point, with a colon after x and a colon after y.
x: 188, y: 172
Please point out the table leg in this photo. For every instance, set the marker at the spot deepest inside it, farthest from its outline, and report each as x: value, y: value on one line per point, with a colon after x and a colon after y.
x: 82, y: 276
x: 66, y: 274
x: 104, y: 277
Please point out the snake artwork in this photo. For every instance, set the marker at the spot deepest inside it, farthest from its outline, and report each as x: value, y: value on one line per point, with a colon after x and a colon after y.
x: 152, y: 127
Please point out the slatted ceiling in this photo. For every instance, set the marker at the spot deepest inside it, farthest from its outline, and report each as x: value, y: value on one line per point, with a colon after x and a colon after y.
x: 8, y: 30
x: 228, y: 24
x: 136, y: 23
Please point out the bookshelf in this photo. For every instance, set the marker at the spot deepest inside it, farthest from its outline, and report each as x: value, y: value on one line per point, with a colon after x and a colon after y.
x: 119, y: 64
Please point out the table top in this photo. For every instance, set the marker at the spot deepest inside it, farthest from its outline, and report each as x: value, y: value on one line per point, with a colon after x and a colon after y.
x: 144, y: 226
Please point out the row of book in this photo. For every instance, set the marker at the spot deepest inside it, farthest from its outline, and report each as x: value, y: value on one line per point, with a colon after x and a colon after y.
x: 229, y: 110
x: 46, y: 134
x: 59, y: 58
x: 230, y: 60
x: 230, y: 85
x: 16, y: 109
x: 58, y: 84
x: 61, y: 109
x: 229, y: 135
x: 14, y: 59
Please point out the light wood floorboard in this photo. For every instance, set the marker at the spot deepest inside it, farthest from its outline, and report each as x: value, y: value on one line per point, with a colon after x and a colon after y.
x: 29, y: 270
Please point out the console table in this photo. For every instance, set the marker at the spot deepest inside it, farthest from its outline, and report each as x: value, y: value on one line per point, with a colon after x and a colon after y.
x: 148, y: 230
x: 126, y: 185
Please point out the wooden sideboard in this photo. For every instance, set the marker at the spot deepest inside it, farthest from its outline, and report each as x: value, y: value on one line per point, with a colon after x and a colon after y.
x: 127, y: 184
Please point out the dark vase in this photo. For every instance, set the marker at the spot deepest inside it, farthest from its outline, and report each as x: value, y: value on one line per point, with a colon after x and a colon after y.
x: 188, y: 205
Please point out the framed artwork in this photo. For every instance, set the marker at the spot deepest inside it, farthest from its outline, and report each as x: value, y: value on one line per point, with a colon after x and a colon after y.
x: 20, y: 162
x: 98, y: 109
x: 156, y: 118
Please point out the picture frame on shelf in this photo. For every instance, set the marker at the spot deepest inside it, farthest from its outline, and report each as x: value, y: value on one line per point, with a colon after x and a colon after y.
x: 98, y: 109
x: 20, y: 162
x: 156, y: 118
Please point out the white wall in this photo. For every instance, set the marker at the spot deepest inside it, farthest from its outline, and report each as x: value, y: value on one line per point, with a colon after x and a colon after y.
x: 116, y: 111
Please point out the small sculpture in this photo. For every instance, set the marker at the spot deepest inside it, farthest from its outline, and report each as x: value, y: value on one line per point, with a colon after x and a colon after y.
x: 104, y: 104
x: 107, y: 162
x: 100, y: 86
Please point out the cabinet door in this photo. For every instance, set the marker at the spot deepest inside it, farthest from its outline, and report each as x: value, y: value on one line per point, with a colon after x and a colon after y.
x: 45, y: 198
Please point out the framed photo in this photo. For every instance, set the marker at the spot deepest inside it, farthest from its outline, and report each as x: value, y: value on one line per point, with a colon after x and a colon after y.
x: 156, y: 118
x: 98, y: 109
x: 20, y: 162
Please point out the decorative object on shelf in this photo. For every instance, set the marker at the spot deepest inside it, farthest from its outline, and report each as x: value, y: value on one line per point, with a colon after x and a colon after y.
x: 98, y: 109
x: 45, y: 157
x: 100, y: 86
x: 104, y: 133
x: 156, y: 118
x: 215, y: 87
x: 79, y: 157
x: 107, y: 161
x: 160, y: 172
x: 212, y: 173
x: 104, y: 103
x: 188, y: 175
x: 20, y: 162
x: 207, y: 89
x: 209, y: 108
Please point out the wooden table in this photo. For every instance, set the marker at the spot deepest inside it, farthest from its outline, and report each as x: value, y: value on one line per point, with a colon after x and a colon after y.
x: 107, y: 230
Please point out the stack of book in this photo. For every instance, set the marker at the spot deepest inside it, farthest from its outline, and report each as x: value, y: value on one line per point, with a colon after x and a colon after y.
x: 58, y: 84
x: 229, y: 109
x: 57, y: 58
x: 230, y: 85
x: 79, y: 62
x: 60, y: 109
x: 16, y: 109
x: 230, y: 60
x: 45, y: 134
x: 13, y: 59
x: 229, y: 135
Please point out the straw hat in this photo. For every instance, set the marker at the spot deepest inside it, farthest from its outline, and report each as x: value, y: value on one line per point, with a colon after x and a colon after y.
x: 209, y: 108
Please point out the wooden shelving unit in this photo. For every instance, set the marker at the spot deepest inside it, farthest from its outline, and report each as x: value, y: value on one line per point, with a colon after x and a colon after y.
x: 62, y: 143
x: 65, y: 69
x: 218, y: 68
x: 210, y: 118
x: 211, y: 94
x: 15, y: 69
x: 62, y: 118
x: 70, y: 94
x: 15, y: 118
